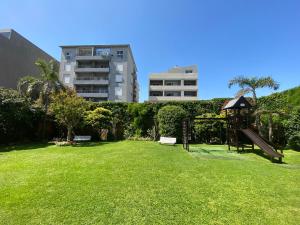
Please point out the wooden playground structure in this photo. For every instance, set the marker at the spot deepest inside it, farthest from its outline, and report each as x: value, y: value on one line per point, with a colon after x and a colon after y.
x: 239, y: 133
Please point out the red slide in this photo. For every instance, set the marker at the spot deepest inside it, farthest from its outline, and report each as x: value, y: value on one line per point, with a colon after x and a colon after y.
x: 260, y: 142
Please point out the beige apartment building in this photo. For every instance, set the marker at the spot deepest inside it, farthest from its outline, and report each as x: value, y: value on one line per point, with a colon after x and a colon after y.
x: 177, y: 84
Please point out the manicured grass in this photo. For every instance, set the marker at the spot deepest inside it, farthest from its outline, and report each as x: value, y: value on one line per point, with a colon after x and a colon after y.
x: 146, y: 183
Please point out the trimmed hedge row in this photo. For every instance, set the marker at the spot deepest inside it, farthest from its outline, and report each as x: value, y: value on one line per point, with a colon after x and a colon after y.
x: 141, y: 119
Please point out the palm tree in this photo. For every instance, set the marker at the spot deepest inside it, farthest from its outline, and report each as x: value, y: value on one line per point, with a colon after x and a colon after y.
x: 30, y: 87
x: 250, y: 85
x: 39, y: 88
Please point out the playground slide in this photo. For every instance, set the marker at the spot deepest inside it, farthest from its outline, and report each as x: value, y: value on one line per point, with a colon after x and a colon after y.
x: 256, y: 139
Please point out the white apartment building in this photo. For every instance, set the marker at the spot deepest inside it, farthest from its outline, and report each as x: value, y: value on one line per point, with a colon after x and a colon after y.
x: 177, y: 84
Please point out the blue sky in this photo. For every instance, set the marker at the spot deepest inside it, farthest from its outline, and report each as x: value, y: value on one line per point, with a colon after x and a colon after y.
x: 225, y: 38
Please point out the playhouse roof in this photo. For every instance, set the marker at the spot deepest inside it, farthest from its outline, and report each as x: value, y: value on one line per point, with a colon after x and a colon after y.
x: 238, y: 103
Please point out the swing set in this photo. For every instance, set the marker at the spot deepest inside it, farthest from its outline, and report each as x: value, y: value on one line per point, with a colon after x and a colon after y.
x: 239, y: 133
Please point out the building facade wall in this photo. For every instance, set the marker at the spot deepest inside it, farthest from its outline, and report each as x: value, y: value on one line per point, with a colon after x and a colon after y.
x: 17, y: 58
x: 177, y: 84
x: 117, y: 67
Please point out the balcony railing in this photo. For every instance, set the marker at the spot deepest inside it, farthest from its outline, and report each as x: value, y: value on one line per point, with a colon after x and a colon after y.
x: 91, y: 69
x: 92, y: 91
x: 92, y: 78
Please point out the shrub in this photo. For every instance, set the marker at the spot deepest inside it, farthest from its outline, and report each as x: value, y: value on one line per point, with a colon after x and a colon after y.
x: 100, y: 118
x: 170, y: 121
x: 120, y: 117
x: 293, y: 129
x: 18, y: 119
x: 294, y: 141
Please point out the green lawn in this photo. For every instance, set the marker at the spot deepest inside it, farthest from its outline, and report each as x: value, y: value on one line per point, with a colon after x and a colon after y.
x: 146, y: 183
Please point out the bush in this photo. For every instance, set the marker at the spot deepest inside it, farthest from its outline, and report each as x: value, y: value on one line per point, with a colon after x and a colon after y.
x: 18, y: 119
x: 170, y: 121
x: 120, y: 117
x: 293, y: 129
x: 294, y: 141
x: 136, y: 119
x: 100, y: 118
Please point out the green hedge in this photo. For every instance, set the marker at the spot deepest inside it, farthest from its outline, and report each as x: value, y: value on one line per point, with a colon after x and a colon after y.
x: 19, y: 121
x: 170, y: 121
x: 140, y: 119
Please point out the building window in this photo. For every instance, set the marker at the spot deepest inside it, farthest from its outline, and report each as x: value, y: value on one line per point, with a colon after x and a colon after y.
x: 188, y: 71
x: 120, y: 53
x: 172, y: 82
x: 156, y: 93
x: 85, y: 52
x: 173, y: 93
x: 68, y: 67
x: 67, y: 78
x: 120, y: 68
x: 118, y: 91
x: 156, y: 82
x: 102, y: 51
x: 119, y: 78
x: 190, y: 83
x: 68, y: 55
x: 190, y: 93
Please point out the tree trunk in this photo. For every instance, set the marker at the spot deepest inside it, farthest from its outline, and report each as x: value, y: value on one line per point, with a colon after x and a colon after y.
x: 114, y: 129
x: 270, y: 128
x: 257, y: 116
x: 46, y: 111
x: 69, y: 135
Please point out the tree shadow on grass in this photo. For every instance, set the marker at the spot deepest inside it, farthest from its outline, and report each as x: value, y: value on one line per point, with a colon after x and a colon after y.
x: 90, y: 144
x: 32, y: 146
x: 19, y: 147
x: 260, y: 153
x: 223, y: 154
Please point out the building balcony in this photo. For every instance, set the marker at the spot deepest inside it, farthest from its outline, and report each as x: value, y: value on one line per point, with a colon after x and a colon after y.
x: 93, y: 57
x: 91, y: 81
x: 173, y: 88
x: 173, y: 98
x: 91, y: 70
x: 91, y: 94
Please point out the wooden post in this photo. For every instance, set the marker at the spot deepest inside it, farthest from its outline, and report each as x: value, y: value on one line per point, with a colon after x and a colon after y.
x: 227, y: 129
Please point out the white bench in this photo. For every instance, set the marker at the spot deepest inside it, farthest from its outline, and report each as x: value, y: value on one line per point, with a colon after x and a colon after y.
x: 82, y: 138
x: 167, y: 140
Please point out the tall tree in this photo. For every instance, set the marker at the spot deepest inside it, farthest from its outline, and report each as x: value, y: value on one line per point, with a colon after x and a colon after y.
x: 250, y: 85
x: 270, y: 106
x: 68, y: 109
x: 40, y: 88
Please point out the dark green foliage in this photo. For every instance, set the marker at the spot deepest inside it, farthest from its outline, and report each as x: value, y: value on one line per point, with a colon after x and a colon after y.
x: 170, y: 121
x: 273, y: 110
x: 293, y: 129
x: 140, y: 119
x: 293, y: 96
x: 274, y: 102
x: 99, y: 118
x: 18, y: 120
x: 120, y: 117
x: 69, y: 110
x: 141, y: 115
x: 209, y: 131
